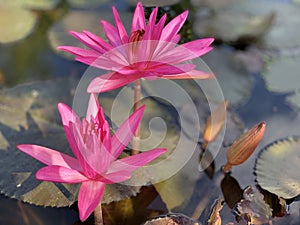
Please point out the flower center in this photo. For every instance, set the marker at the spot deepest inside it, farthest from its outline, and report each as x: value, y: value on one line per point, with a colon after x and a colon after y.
x: 134, y: 39
x: 90, y: 128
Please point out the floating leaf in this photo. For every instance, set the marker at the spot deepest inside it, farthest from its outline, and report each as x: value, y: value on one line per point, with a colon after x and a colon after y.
x: 277, y: 167
x: 235, y: 83
x: 150, y: 3
x: 276, y: 82
x: 79, y: 20
x: 172, y: 218
x: 244, y: 146
x: 254, y: 206
x: 16, y: 22
x: 231, y: 190
x: 214, y: 217
x: 28, y: 114
x: 82, y: 4
x: 39, y: 4
x: 233, y: 27
x: 287, y: 17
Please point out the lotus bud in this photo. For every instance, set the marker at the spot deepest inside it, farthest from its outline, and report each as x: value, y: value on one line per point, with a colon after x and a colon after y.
x: 214, y: 123
x: 244, y: 146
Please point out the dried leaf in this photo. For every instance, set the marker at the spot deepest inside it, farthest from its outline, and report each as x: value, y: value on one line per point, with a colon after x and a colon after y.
x: 254, y: 206
x: 214, y: 217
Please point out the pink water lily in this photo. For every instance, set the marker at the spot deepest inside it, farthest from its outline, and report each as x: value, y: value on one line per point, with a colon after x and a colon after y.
x: 96, y: 154
x: 150, y: 51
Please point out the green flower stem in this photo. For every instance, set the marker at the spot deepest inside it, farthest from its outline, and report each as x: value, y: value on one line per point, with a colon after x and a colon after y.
x: 137, y: 104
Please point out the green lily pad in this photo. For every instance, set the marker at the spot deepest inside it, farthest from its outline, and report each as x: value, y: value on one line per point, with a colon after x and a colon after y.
x: 39, y: 4
x: 233, y: 27
x: 281, y: 76
x: 16, y: 23
x: 79, y: 20
x: 82, y: 4
x: 277, y: 167
x: 28, y: 115
x: 151, y: 3
x: 287, y: 17
x: 235, y: 81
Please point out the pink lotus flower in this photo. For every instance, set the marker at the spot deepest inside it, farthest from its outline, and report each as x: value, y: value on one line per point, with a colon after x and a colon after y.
x: 150, y: 51
x: 96, y: 152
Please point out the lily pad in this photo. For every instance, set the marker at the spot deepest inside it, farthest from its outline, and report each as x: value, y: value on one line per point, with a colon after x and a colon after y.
x: 82, y: 4
x: 16, y: 23
x: 282, y: 76
x: 235, y: 81
x: 28, y: 115
x: 151, y: 3
x: 277, y: 167
x: 233, y: 27
x: 79, y: 20
x: 287, y: 17
x: 39, y: 4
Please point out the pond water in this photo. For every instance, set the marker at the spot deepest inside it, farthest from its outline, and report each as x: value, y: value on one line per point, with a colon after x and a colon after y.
x: 256, y: 64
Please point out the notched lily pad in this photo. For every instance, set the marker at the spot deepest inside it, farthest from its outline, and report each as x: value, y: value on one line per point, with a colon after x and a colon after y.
x: 277, y: 167
x: 28, y: 115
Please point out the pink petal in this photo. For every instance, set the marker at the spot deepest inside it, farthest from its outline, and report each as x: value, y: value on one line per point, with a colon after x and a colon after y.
x: 193, y: 74
x: 93, y: 107
x: 98, y: 41
x: 197, y: 46
x: 125, y: 132
x: 111, y: 33
x: 60, y: 174
x: 158, y: 28
x: 173, y: 27
x: 110, y: 81
x: 116, y: 177
x: 121, y: 29
x: 67, y: 115
x: 138, y: 20
x: 162, y: 69
x: 49, y: 156
x: 90, y: 195
x: 134, y: 162
x: 73, y: 133
x: 150, y: 26
x: 81, y: 52
x: 86, y: 39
